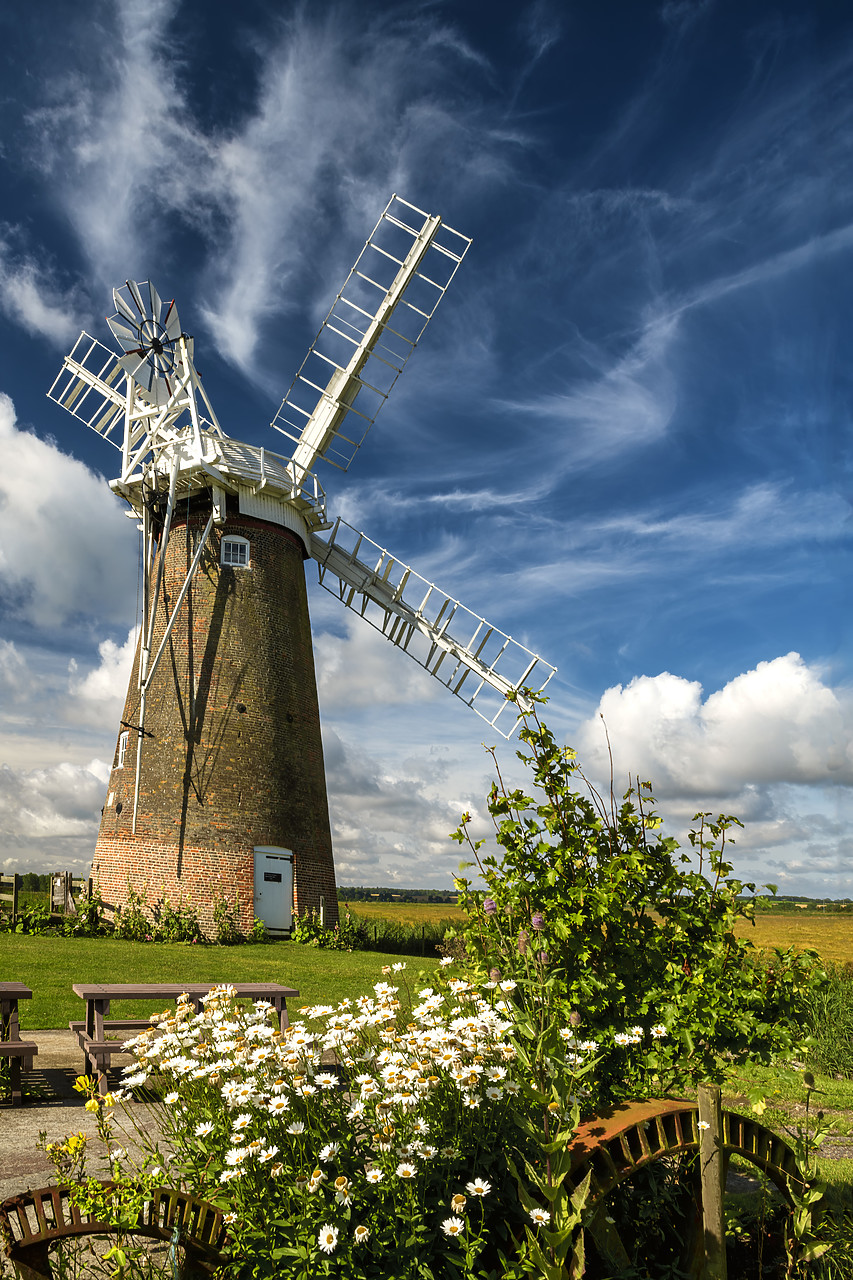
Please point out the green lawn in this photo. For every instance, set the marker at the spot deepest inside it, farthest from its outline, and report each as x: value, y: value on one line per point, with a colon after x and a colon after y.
x: 49, y: 966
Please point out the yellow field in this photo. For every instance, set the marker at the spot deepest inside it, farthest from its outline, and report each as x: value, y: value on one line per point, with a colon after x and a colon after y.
x: 403, y: 912
x: 830, y: 935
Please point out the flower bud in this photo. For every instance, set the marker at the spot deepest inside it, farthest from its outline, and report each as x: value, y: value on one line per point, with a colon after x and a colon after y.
x: 489, y: 906
x: 494, y: 975
x: 522, y: 942
x: 538, y: 921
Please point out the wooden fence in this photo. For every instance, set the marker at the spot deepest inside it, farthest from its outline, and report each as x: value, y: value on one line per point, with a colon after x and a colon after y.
x: 63, y: 887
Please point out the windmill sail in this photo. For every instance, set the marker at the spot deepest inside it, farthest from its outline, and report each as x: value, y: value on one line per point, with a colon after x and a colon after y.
x: 473, y: 659
x: 91, y: 386
x: 374, y: 325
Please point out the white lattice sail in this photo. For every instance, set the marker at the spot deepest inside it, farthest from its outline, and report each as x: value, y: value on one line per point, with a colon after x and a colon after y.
x: 471, y: 657
x: 371, y: 330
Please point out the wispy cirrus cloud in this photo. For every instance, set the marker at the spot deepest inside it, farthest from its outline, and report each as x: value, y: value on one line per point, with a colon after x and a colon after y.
x: 343, y: 113
x: 29, y: 296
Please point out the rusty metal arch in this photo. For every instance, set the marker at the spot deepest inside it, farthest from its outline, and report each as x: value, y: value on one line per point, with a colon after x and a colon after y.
x: 612, y: 1146
x: 32, y: 1221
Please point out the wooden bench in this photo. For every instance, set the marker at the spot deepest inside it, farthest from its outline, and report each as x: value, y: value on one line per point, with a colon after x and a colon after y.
x: 19, y: 1053
x: 92, y: 1034
x: 31, y: 1222
x: 97, y: 1053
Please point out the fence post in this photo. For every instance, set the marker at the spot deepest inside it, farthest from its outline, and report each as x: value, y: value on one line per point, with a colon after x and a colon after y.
x: 711, y: 1168
x: 15, y: 881
x: 322, y: 912
x: 423, y: 939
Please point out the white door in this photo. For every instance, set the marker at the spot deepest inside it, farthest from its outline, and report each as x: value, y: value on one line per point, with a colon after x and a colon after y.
x: 274, y: 888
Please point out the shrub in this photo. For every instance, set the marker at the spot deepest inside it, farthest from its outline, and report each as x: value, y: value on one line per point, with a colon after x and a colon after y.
x: 595, y: 898
x: 131, y: 921
x: 88, y: 920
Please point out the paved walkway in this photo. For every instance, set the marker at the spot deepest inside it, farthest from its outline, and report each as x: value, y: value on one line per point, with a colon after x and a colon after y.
x: 50, y: 1105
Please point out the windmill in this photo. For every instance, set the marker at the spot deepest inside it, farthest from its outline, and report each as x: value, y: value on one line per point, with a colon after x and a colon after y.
x: 218, y: 788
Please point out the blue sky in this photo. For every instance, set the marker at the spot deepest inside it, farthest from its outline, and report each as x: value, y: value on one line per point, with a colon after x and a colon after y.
x: 624, y: 438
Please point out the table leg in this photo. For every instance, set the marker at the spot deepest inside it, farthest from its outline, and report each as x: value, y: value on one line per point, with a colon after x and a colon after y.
x: 281, y: 1010
x: 96, y: 1011
x: 10, y: 1028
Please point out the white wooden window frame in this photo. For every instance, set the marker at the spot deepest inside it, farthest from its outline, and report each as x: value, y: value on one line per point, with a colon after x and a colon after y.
x: 231, y: 540
x: 123, y: 743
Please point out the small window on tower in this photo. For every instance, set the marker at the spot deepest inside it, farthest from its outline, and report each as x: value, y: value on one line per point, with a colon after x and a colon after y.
x: 235, y: 552
x: 123, y: 740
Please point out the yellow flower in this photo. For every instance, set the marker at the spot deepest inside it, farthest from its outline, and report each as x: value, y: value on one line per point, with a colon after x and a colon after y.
x: 93, y: 1105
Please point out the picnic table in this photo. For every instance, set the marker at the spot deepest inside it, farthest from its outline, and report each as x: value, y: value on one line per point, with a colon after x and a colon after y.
x: 17, y: 1052
x: 92, y: 1034
x: 10, y: 994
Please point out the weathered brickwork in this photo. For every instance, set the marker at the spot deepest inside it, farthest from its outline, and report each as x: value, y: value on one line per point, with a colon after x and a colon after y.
x: 235, y: 757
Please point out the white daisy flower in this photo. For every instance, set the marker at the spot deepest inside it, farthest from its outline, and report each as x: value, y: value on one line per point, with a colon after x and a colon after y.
x: 202, y: 1130
x: 329, y: 1152
x: 540, y: 1216
x: 406, y: 1170
x: 327, y: 1238
x: 374, y: 1176
x: 479, y: 1187
x: 453, y: 1226
x: 361, y: 1234
x: 296, y: 1128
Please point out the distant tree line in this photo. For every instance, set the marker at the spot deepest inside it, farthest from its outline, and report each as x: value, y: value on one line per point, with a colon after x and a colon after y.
x: 359, y: 893
x: 798, y: 902
x: 32, y: 882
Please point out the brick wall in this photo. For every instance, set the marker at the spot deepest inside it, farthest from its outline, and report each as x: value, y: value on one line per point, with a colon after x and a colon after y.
x: 235, y: 758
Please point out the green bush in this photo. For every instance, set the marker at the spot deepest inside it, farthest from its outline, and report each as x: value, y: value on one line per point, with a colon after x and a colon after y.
x: 631, y: 929
x: 356, y: 933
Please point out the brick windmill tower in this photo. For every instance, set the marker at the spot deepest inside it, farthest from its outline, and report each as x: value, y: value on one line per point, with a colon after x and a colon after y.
x: 218, y: 790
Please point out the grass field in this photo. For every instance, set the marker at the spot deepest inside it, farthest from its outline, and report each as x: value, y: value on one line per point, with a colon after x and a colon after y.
x: 414, y: 913
x: 49, y: 966
x: 830, y: 935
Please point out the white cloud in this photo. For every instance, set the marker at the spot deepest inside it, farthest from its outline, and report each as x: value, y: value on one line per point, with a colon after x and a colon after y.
x: 345, y: 111
x: 362, y: 669
x: 15, y: 679
x: 66, y: 549
x: 99, y: 695
x: 60, y: 801
x: 391, y: 818
x: 628, y: 403
x: 29, y: 297
x: 779, y: 723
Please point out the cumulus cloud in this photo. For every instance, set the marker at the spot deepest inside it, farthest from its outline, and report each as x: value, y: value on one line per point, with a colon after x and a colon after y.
x: 15, y: 677
x: 392, y: 814
x: 61, y: 801
x: 360, y: 668
x: 777, y: 723
x: 99, y: 695
x: 66, y: 549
